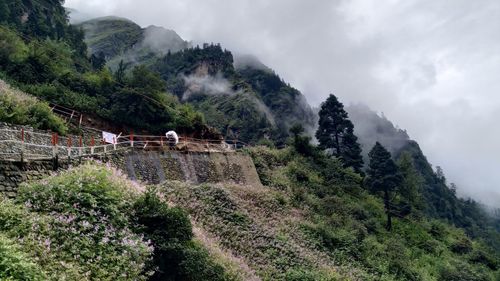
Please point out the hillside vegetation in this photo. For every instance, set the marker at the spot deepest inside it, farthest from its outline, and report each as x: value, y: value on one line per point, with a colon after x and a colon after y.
x: 20, y: 108
x: 91, y: 223
x: 48, y: 69
x: 312, y: 220
x: 114, y: 39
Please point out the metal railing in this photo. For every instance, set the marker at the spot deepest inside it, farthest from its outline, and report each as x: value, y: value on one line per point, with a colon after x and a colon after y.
x: 29, y: 145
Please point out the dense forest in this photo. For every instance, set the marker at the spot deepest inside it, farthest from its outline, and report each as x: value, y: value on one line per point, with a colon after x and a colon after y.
x: 49, y: 60
x: 361, y: 204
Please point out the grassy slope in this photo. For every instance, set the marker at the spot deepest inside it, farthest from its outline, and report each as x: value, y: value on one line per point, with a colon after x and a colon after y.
x: 300, y: 228
x: 254, y: 227
x: 121, y: 39
x: 111, y: 35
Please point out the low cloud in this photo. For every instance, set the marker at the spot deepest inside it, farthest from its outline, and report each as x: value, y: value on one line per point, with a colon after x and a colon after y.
x: 207, y: 85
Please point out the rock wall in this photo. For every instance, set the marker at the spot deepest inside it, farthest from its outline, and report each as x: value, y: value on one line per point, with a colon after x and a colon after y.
x: 13, y: 173
x: 195, y: 167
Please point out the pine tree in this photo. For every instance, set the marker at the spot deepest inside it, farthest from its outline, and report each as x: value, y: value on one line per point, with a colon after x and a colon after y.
x: 336, y: 133
x: 301, y: 143
x: 351, y: 150
x: 383, y: 177
x: 412, y: 181
x: 121, y: 71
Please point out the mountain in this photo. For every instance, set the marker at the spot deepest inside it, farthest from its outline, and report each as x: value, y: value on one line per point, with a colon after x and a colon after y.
x: 371, y: 127
x: 121, y: 39
x: 242, y: 98
x: 311, y: 218
x: 439, y: 196
x: 248, y: 103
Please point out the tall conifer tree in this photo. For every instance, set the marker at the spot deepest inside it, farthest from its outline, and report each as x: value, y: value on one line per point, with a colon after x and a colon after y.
x: 336, y: 133
x: 384, y: 177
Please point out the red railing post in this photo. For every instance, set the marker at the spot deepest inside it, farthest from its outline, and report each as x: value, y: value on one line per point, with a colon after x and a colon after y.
x: 54, y: 143
x: 70, y: 142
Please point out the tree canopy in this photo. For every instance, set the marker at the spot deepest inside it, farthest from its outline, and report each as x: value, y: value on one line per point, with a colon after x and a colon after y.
x: 336, y: 133
x: 383, y: 177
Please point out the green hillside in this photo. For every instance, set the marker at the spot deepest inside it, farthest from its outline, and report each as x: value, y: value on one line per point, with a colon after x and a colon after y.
x: 117, y: 39
x: 111, y: 36
x: 246, y: 103
x: 314, y: 220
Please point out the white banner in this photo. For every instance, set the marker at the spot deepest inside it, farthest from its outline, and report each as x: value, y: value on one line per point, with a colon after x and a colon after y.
x: 109, y: 137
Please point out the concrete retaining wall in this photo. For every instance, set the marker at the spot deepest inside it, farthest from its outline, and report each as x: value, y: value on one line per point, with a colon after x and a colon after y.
x: 194, y: 167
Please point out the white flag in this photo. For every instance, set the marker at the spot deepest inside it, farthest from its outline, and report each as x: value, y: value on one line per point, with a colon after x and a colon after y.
x: 109, y: 137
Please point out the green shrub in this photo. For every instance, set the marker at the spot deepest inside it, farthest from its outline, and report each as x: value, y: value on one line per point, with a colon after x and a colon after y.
x: 32, y: 232
x: 462, y: 246
x: 300, y: 275
x: 15, y: 265
x: 12, y: 47
x: 481, y: 256
x: 59, y: 94
x: 176, y: 256
x: 462, y: 272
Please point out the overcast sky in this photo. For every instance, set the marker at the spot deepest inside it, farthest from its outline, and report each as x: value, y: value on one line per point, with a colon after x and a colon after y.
x: 432, y: 67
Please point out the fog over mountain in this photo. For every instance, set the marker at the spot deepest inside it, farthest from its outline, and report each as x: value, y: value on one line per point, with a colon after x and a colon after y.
x: 430, y: 66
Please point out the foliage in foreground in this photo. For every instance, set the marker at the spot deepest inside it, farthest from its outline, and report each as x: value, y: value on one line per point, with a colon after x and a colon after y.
x: 170, y: 231
x: 90, y: 223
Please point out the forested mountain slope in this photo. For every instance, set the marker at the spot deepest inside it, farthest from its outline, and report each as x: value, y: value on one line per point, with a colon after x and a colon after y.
x: 248, y: 102
x: 439, y: 198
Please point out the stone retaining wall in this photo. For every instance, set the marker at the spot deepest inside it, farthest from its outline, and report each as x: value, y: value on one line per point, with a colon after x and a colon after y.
x: 13, y: 173
x: 195, y: 167
x: 35, y: 139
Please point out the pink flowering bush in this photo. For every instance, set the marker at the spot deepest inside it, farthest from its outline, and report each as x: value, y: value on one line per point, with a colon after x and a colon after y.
x: 76, y: 225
